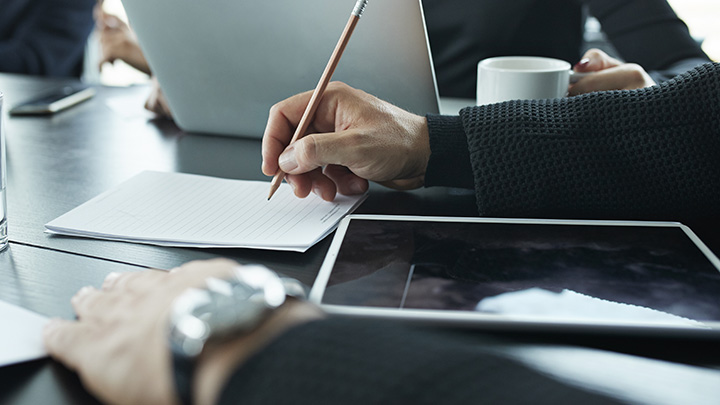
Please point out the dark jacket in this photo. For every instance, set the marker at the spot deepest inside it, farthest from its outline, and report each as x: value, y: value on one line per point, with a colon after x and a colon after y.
x: 44, y: 37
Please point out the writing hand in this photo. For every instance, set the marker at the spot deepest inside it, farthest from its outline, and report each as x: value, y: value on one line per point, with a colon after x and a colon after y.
x: 354, y: 137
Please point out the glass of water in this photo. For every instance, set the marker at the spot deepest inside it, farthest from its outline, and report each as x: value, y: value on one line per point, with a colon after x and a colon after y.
x: 3, y: 170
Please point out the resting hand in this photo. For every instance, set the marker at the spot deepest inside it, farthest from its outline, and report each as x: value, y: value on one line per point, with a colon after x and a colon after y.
x: 117, y: 41
x: 119, y: 345
x: 611, y: 74
x: 354, y: 137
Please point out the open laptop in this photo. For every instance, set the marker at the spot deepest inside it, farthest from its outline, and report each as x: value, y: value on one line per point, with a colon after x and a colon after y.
x: 223, y: 63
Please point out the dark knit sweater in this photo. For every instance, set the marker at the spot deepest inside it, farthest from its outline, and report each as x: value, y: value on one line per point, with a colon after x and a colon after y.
x: 649, y: 153
x: 353, y: 361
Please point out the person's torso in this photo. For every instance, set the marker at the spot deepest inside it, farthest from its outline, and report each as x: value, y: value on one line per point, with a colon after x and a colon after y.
x: 463, y: 32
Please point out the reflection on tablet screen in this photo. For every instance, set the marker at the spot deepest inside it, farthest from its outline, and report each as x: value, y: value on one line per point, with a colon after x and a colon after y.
x: 627, y: 273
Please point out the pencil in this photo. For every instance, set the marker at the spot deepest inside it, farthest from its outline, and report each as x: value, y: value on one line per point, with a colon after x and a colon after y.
x: 322, y: 85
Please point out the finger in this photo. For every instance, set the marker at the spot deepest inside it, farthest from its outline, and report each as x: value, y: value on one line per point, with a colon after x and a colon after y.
x: 194, y: 274
x: 318, y: 150
x: 137, y: 282
x: 63, y: 341
x: 110, y: 279
x: 595, y: 60
x: 282, y: 121
x: 314, y: 181
x: 624, y: 77
x: 346, y: 181
x: 85, y: 300
x: 92, y: 304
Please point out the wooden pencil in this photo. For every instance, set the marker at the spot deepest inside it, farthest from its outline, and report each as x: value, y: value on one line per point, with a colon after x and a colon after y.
x: 322, y: 85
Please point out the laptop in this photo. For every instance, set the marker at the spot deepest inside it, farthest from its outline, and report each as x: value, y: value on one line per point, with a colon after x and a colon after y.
x: 223, y: 63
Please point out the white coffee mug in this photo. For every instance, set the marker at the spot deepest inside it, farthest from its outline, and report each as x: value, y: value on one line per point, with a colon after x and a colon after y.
x: 521, y: 77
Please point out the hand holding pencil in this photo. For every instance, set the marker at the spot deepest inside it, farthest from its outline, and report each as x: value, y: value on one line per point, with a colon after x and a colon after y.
x: 354, y: 138
x: 322, y: 84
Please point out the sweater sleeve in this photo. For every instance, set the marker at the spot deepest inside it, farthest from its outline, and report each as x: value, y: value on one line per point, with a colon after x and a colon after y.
x: 353, y: 361
x: 652, y: 153
x: 49, y: 39
x: 449, y: 163
x: 649, y: 33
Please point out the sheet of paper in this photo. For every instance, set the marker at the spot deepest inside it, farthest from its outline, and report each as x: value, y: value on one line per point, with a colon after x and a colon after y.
x: 176, y: 209
x: 569, y: 304
x: 20, y: 334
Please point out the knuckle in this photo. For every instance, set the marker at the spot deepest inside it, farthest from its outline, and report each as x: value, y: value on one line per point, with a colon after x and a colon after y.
x: 337, y: 85
x: 594, y: 53
x: 636, y: 73
x: 275, y: 109
x: 307, y: 151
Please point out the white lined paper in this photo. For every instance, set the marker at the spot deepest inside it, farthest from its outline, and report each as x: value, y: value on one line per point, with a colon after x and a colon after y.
x: 176, y: 209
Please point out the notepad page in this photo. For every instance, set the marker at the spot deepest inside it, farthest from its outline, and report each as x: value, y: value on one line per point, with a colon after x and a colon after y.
x: 190, y: 210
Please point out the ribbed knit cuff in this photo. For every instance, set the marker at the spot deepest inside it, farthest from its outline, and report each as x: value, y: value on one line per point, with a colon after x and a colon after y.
x: 449, y: 163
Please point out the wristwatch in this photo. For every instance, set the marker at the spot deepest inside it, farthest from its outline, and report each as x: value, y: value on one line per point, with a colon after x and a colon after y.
x: 224, y: 308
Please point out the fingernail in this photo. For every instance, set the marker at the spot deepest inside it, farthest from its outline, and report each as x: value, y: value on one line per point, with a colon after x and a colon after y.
x: 582, y: 64
x: 317, y: 191
x: 287, y: 160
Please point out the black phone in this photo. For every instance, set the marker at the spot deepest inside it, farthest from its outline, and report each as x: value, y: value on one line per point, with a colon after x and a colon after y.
x: 54, y: 101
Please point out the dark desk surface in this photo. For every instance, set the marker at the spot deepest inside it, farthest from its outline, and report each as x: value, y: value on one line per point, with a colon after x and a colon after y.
x: 56, y: 163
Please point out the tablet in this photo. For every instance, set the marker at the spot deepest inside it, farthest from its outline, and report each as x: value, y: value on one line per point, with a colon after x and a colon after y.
x: 518, y: 274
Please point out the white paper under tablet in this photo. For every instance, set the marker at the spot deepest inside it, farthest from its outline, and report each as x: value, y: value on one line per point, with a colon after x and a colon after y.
x: 559, y: 272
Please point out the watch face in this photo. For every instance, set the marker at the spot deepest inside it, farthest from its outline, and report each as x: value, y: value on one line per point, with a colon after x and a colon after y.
x: 233, y: 306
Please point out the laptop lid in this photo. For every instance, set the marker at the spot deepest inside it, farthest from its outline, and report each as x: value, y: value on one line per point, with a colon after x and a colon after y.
x: 223, y: 63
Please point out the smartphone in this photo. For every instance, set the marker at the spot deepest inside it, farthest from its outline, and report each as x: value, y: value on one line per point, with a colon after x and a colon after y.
x: 54, y: 101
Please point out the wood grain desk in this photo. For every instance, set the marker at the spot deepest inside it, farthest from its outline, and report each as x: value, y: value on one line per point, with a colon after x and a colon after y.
x: 56, y: 163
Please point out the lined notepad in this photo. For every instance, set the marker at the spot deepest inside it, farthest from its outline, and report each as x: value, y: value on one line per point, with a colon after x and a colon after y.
x: 176, y: 209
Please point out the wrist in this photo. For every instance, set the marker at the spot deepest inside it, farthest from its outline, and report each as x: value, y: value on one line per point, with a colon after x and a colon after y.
x: 220, y: 358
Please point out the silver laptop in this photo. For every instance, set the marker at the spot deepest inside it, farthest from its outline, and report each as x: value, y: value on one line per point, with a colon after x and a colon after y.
x: 223, y: 63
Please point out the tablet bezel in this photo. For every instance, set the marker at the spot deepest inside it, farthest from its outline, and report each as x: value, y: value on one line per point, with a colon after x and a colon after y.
x: 502, y: 322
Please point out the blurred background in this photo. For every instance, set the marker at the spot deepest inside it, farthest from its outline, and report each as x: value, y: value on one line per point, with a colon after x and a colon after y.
x: 701, y: 16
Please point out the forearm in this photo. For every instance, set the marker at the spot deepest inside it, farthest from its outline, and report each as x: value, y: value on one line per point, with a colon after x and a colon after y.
x: 219, y: 360
x: 649, y: 153
x: 355, y: 361
x: 677, y: 68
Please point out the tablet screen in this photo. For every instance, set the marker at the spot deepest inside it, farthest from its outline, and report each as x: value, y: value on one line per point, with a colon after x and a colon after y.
x: 654, y: 273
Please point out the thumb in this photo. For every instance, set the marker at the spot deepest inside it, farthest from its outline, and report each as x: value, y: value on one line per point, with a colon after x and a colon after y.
x: 315, y: 151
